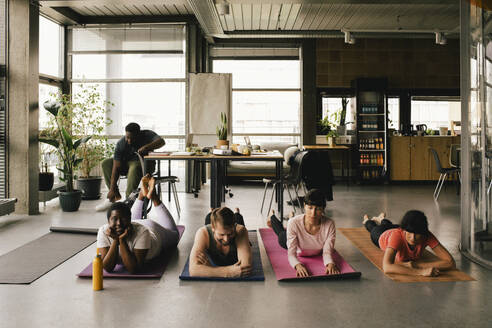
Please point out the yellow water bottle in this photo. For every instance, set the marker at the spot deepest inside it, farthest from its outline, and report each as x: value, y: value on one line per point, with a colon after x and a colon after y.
x: 97, y: 273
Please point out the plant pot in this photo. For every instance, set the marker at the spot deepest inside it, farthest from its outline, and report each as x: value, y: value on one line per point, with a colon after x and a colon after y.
x: 90, y: 187
x: 70, y: 200
x: 330, y: 141
x: 341, y: 130
x: 46, y: 180
x: 221, y: 143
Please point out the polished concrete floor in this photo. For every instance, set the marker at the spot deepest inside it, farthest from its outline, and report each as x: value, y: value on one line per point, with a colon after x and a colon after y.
x: 60, y: 299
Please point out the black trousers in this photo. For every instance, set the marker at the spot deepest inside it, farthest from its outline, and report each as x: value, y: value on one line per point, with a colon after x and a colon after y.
x: 376, y: 230
x: 237, y: 217
x: 280, y: 231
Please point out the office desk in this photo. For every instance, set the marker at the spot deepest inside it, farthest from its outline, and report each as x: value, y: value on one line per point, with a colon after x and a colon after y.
x: 346, y: 160
x: 218, y: 165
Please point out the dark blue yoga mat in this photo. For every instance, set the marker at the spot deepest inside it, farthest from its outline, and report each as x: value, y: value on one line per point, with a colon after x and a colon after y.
x: 256, y: 274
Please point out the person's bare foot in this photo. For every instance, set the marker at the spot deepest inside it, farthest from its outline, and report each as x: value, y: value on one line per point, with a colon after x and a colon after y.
x: 291, y: 215
x: 269, y: 222
x: 380, y: 217
x: 366, y: 218
x: 145, y: 185
x: 151, y: 191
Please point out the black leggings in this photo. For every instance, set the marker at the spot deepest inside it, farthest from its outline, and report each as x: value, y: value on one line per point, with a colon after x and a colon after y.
x: 279, y: 229
x: 377, y: 230
x: 237, y: 217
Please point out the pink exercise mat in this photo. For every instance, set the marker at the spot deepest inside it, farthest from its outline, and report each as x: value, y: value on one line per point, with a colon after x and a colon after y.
x: 314, y: 264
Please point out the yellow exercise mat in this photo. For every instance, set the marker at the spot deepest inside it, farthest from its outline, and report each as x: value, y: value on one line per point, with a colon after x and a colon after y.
x: 360, y: 237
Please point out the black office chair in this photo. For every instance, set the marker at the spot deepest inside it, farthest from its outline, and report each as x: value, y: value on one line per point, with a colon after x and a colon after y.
x: 293, y: 179
x: 444, y: 172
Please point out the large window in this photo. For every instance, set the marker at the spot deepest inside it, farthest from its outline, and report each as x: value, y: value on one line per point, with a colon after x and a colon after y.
x: 50, y: 48
x: 266, y: 98
x: 51, y: 74
x: 435, y: 113
x: 394, y: 113
x: 141, y: 70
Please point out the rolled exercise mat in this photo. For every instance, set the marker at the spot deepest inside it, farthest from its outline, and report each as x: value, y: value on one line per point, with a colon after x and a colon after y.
x: 27, y: 263
x: 314, y: 264
x: 153, y: 269
x: 88, y: 231
x: 256, y: 272
x: 361, y: 238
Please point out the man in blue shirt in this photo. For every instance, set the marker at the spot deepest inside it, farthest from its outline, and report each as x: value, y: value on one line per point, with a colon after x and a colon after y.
x: 125, y: 161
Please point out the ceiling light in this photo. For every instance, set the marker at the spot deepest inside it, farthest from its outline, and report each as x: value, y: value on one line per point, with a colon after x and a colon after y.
x: 349, y: 38
x: 441, y: 38
x: 223, y: 8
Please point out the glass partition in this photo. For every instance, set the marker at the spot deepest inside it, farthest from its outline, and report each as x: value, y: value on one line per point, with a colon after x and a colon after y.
x: 476, y: 141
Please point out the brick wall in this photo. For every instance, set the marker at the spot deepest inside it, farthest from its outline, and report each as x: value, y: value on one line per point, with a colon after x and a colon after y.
x: 407, y: 63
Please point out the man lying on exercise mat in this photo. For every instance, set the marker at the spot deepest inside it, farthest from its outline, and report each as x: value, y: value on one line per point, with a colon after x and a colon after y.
x: 404, y: 245
x: 131, y: 240
x: 222, y: 248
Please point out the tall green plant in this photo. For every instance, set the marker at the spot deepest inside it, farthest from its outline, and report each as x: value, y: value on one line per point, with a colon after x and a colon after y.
x: 221, y: 130
x: 61, y: 137
x: 90, y: 118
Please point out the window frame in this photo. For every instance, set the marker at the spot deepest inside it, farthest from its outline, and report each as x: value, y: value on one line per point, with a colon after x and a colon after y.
x: 71, y: 81
x: 299, y: 90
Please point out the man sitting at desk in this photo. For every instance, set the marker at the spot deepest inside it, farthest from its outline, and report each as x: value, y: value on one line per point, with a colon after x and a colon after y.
x: 222, y: 248
x: 125, y: 161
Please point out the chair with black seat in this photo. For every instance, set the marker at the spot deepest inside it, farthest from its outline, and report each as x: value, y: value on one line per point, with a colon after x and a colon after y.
x: 443, y: 171
x: 292, y: 179
x: 170, y: 179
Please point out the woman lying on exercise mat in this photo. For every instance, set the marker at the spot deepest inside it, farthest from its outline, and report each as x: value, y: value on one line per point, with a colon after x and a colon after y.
x: 131, y: 240
x: 404, y: 245
x: 308, y: 234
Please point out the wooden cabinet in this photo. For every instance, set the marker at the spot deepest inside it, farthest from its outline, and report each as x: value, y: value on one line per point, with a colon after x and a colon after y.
x: 411, y: 158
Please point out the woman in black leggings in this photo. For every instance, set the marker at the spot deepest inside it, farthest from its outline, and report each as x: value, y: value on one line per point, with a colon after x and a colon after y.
x: 375, y: 229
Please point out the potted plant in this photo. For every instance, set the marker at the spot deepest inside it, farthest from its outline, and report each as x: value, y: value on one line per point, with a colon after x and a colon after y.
x: 60, y: 135
x: 46, y: 178
x: 222, y: 131
x: 89, y: 118
x: 328, y: 127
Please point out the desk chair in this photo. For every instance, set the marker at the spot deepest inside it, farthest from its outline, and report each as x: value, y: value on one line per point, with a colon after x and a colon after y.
x: 171, y: 180
x: 444, y: 172
x: 293, y: 179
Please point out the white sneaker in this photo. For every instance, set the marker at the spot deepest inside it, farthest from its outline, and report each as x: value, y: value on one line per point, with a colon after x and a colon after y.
x: 104, y: 206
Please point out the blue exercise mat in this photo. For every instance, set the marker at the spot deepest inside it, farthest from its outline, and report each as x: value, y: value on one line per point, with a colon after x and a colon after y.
x: 256, y: 273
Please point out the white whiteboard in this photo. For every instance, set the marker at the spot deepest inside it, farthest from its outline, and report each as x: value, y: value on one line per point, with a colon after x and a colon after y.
x: 210, y: 94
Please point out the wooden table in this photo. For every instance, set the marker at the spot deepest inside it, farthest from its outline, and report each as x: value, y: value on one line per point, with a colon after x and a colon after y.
x: 345, y: 159
x: 218, y: 165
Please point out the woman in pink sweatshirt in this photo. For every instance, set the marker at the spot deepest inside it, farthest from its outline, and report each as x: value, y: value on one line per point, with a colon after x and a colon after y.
x: 308, y: 234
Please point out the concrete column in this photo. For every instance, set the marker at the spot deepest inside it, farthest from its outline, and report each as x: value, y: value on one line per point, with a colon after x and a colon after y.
x: 308, y: 100
x: 23, y: 79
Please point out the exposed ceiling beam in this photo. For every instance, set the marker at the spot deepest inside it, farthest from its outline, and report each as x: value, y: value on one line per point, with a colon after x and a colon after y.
x: 70, y: 3
x: 70, y: 14
x: 353, y: 2
x: 138, y: 19
x: 207, y: 16
x: 57, y: 16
